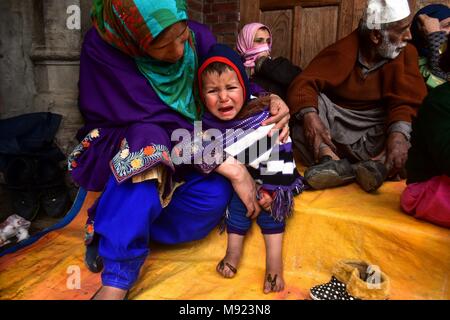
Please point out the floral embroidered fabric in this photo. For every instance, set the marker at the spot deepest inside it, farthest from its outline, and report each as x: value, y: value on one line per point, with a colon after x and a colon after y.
x: 80, y: 148
x: 126, y: 164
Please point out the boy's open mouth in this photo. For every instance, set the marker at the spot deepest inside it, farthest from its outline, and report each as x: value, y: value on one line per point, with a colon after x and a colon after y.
x: 225, y: 109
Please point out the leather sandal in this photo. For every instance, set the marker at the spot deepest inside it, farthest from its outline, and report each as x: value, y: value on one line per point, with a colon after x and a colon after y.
x: 370, y: 174
x: 329, y: 173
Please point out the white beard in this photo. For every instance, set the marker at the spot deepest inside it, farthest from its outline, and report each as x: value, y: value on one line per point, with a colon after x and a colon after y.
x: 389, y: 50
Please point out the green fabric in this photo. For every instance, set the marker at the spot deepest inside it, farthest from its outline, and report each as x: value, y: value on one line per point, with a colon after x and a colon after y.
x: 97, y: 13
x: 429, y: 155
x: 174, y: 82
x: 431, y: 80
x: 131, y: 26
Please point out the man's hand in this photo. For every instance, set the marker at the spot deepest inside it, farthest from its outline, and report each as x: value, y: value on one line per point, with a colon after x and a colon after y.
x: 428, y: 24
x: 316, y: 133
x: 242, y: 183
x: 396, y: 152
x: 280, y: 116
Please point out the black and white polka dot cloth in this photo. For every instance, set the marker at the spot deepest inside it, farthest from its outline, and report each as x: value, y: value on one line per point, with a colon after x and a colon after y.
x: 333, y: 290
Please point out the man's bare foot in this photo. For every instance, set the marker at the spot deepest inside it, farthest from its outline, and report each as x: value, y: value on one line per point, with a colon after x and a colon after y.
x: 227, y: 267
x: 273, y: 280
x: 110, y: 293
x: 326, y: 151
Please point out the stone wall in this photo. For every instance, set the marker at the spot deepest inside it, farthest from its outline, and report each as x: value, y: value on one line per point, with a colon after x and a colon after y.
x: 39, y: 60
x: 17, y: 87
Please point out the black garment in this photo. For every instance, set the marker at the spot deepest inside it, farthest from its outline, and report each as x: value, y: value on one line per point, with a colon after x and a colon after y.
x: 30, y: 160
x: 29, y: 135
x: 429, y: 155
x: 275, y: 75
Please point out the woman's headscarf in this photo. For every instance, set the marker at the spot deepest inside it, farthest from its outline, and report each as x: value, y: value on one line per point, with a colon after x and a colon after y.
x: 246, y: 47
x: 131, y: 26
x: 437, y: 11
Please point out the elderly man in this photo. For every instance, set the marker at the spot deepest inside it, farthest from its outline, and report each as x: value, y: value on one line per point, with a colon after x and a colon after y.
x: 354, y: 103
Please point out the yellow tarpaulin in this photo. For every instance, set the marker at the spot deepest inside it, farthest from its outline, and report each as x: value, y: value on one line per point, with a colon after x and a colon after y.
x: 327, y: 226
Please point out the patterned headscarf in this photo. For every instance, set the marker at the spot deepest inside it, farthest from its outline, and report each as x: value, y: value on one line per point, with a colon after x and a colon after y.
x: 131, y: 26
x: 246, y: 47
x: 438, y: 11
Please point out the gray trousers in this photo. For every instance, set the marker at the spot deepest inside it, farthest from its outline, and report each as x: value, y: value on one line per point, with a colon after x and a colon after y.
x: 358, y: 134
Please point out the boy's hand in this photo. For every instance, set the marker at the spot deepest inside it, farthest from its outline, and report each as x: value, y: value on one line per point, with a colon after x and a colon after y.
x: 265, y: 199
x: 243, y: 184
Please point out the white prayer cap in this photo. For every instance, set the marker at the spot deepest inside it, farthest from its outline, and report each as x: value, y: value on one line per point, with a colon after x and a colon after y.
x: 385, y: 11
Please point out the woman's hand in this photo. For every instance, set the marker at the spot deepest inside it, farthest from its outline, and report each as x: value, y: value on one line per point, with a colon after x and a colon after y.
x: 428, y: 24
x: 242, y: 183
x: 280, y: 116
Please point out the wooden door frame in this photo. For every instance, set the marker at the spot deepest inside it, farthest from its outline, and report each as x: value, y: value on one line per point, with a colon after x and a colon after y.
x: 250, y: 10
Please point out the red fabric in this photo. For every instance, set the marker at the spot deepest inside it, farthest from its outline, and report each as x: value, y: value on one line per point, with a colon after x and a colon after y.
x: 429, y: 200
x: 226, y: 61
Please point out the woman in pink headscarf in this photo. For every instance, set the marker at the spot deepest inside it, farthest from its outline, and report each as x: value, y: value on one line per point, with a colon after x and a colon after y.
x: 254, y: 44
x: 254, y: 41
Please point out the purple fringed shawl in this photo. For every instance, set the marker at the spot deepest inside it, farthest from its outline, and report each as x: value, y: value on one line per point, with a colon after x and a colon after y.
x: 127, y: 127
x: 283, y: 182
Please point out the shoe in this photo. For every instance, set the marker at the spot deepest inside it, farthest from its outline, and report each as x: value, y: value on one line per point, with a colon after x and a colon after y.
x: 25, y: 203
x: 353, y: 280
x: 370, y: 174
x: 329, y: 173
x: 333, y: 290
x: 92, y: 259
x: 55, y: 198
x: 20, y: 180
x: 20, y: 173
x: 55, y: 201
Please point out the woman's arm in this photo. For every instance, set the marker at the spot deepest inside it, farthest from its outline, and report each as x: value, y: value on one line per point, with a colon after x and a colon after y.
x: 280, y: 116
x: 280, y: 69
x: 435, y: 38
x: 435, y: 42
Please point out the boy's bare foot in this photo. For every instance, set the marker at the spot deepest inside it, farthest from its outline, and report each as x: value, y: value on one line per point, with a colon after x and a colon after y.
x: 227, y: 267
x: 110, y: 293
x: 273, y: 280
